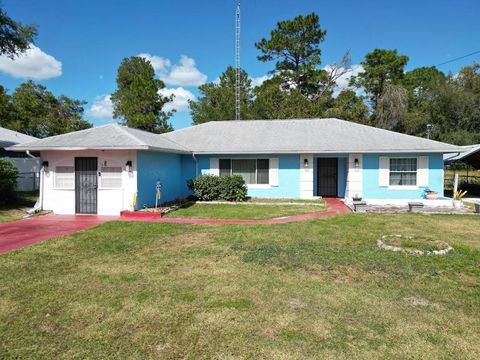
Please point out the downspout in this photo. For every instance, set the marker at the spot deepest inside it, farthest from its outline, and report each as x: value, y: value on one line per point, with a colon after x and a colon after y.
x: 39, y: 204
x: 196, y: 164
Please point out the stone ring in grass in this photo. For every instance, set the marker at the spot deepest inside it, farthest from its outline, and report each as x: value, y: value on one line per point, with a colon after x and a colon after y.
x: 413, y: 246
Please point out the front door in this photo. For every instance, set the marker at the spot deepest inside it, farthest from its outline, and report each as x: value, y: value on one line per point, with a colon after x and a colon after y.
x: 327, y: 175
x: 86, y: 185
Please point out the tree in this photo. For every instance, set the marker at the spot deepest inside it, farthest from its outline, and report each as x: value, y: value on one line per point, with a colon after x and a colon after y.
x: 217, y: 100
x: 37, y: 112
x: 392, y: 107
x: 348, y: 106
x: 15, y: 38
x: 6, y: 111
x: 137, y: 100
x: 295, y: 45
x: 380, y: 68
x: 8, y: 180
x: 272, y: 101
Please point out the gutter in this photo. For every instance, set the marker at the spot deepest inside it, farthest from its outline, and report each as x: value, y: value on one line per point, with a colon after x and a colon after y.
x: 39, y: 204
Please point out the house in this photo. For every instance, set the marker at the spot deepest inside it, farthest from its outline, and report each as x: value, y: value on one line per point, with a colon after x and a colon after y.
x: 28, y: 165
x: 107, y: 169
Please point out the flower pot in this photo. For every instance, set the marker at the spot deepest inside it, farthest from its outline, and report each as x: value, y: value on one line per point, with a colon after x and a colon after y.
x: 431, y: 195
x: 457, y: 203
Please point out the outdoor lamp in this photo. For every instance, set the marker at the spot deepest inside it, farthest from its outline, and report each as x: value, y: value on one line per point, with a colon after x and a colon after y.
x: 305, y: 163
x: 357, y: 163
x: 128, y: 166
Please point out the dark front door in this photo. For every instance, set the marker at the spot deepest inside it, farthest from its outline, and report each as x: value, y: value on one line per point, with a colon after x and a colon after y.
x: 86, y: 185
x: 327, y: 175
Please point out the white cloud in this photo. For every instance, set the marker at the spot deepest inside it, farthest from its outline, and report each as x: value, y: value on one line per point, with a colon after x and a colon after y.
x: 344, y: 80
x: 31, y: 64
x: 183, y: 74
x: 180, y: 100
x: 102, y: 108
x: 160, y: 65
x: 257, y: 81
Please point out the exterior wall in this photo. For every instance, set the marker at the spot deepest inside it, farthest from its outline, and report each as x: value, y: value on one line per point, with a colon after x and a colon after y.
x: 307, y: 178
x: 355, y: 176
x: 374, y: 193
x: 288, y: 174
x: 171, y: 169
x: 110, y: 201
x: 342, y: 173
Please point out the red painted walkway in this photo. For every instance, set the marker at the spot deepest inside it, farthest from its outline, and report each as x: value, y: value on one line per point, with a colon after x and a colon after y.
x: 334, y: 207
x: 17, y: 234
x: 20, y: 233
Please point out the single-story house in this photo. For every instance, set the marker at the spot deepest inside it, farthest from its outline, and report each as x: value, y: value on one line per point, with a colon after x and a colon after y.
x: 107, y: 169
x: 28, y: 165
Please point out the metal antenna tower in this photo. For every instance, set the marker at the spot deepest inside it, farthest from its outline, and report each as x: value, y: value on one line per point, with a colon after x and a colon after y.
x: 237, y: 62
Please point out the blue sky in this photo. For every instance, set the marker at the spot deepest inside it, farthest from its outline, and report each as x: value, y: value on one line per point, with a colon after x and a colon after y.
x: 81, y: 43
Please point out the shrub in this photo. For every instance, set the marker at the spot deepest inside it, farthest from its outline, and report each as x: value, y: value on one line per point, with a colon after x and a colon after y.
x: 8, y: 180
x: 232, y: 188
x: 206, y: 187
x: 229, y: 188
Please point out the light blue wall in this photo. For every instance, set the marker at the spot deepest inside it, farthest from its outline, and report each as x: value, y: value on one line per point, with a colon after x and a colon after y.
x: 371, y: 189
x: 170, y: 169
x: 342, y: 173
x: 288, y: 172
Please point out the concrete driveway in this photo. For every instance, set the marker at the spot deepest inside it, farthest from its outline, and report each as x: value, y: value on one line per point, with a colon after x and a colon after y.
x: 20, y: 233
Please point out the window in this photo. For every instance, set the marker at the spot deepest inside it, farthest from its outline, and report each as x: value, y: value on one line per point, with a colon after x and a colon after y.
x: 253, y: 171
x: 64, y: 177
x: 403, y: 172
x: 111, y: 177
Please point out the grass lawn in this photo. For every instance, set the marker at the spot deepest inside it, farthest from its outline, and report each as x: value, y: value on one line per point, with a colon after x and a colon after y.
x: 16, y: 211
x: 242, y: 211
x: 316, y: 289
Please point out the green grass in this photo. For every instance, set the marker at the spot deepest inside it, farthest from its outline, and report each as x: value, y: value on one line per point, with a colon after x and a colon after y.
x: 317, y: 289
x: 15, y: 211
x: 242, y: 211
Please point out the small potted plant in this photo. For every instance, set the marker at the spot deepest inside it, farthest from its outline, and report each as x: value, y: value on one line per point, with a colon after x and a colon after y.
x: 457, y: 198
x: 430, y: 194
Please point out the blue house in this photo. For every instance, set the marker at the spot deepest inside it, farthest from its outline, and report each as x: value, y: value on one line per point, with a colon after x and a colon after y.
x: 108, y: 169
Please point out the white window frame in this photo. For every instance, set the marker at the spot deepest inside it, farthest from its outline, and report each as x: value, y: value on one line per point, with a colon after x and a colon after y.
x: 251, y: 186
x: 403, y: 187
x: 55, y: 186
x: 100, y: 183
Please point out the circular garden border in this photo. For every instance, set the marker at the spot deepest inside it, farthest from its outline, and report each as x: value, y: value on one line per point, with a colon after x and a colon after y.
x: 412, y: 251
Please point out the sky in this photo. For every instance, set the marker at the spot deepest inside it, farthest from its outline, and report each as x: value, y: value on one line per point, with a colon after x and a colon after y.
x: 81, y: 43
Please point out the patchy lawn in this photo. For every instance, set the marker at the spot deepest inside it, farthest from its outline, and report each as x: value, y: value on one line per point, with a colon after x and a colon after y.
x: 242, y: 211
x: 317, y: 289
x: 16, y: 211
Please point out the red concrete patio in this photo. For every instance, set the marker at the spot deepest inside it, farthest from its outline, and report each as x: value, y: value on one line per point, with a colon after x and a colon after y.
x: 20, y: 233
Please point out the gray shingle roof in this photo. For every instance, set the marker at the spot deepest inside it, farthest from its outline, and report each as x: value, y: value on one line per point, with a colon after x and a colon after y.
x: 104, y: 137
x: 9, y: 137
x: 252, y: 136
x: 299, y: 136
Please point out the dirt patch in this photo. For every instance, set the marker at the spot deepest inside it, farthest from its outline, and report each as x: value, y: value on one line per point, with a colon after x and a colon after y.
x: 416, y: 301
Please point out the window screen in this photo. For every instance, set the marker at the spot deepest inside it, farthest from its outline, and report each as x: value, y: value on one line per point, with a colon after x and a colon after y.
x: 253, y: 171
x: 111, y: 177
x: 64, y: 177
x: 403, y: 171
x: 262, y: 171
x: 225, y: 167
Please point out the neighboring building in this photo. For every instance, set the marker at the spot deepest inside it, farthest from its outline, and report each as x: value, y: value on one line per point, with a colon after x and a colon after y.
x: 27, y: 166
x: 103, y: 170
x: 469, y: 154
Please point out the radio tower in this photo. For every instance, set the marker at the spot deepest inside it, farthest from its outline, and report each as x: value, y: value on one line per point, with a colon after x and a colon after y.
x: 237, y: 62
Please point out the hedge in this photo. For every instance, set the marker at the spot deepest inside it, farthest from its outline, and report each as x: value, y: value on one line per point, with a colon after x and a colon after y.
x: 227, y: 187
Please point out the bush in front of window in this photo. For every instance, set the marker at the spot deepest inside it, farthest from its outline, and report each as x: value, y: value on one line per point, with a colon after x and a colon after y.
x: 205, y: 187
x: 225, y: 187
x: 8, y: 181
x: 232, y: 188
